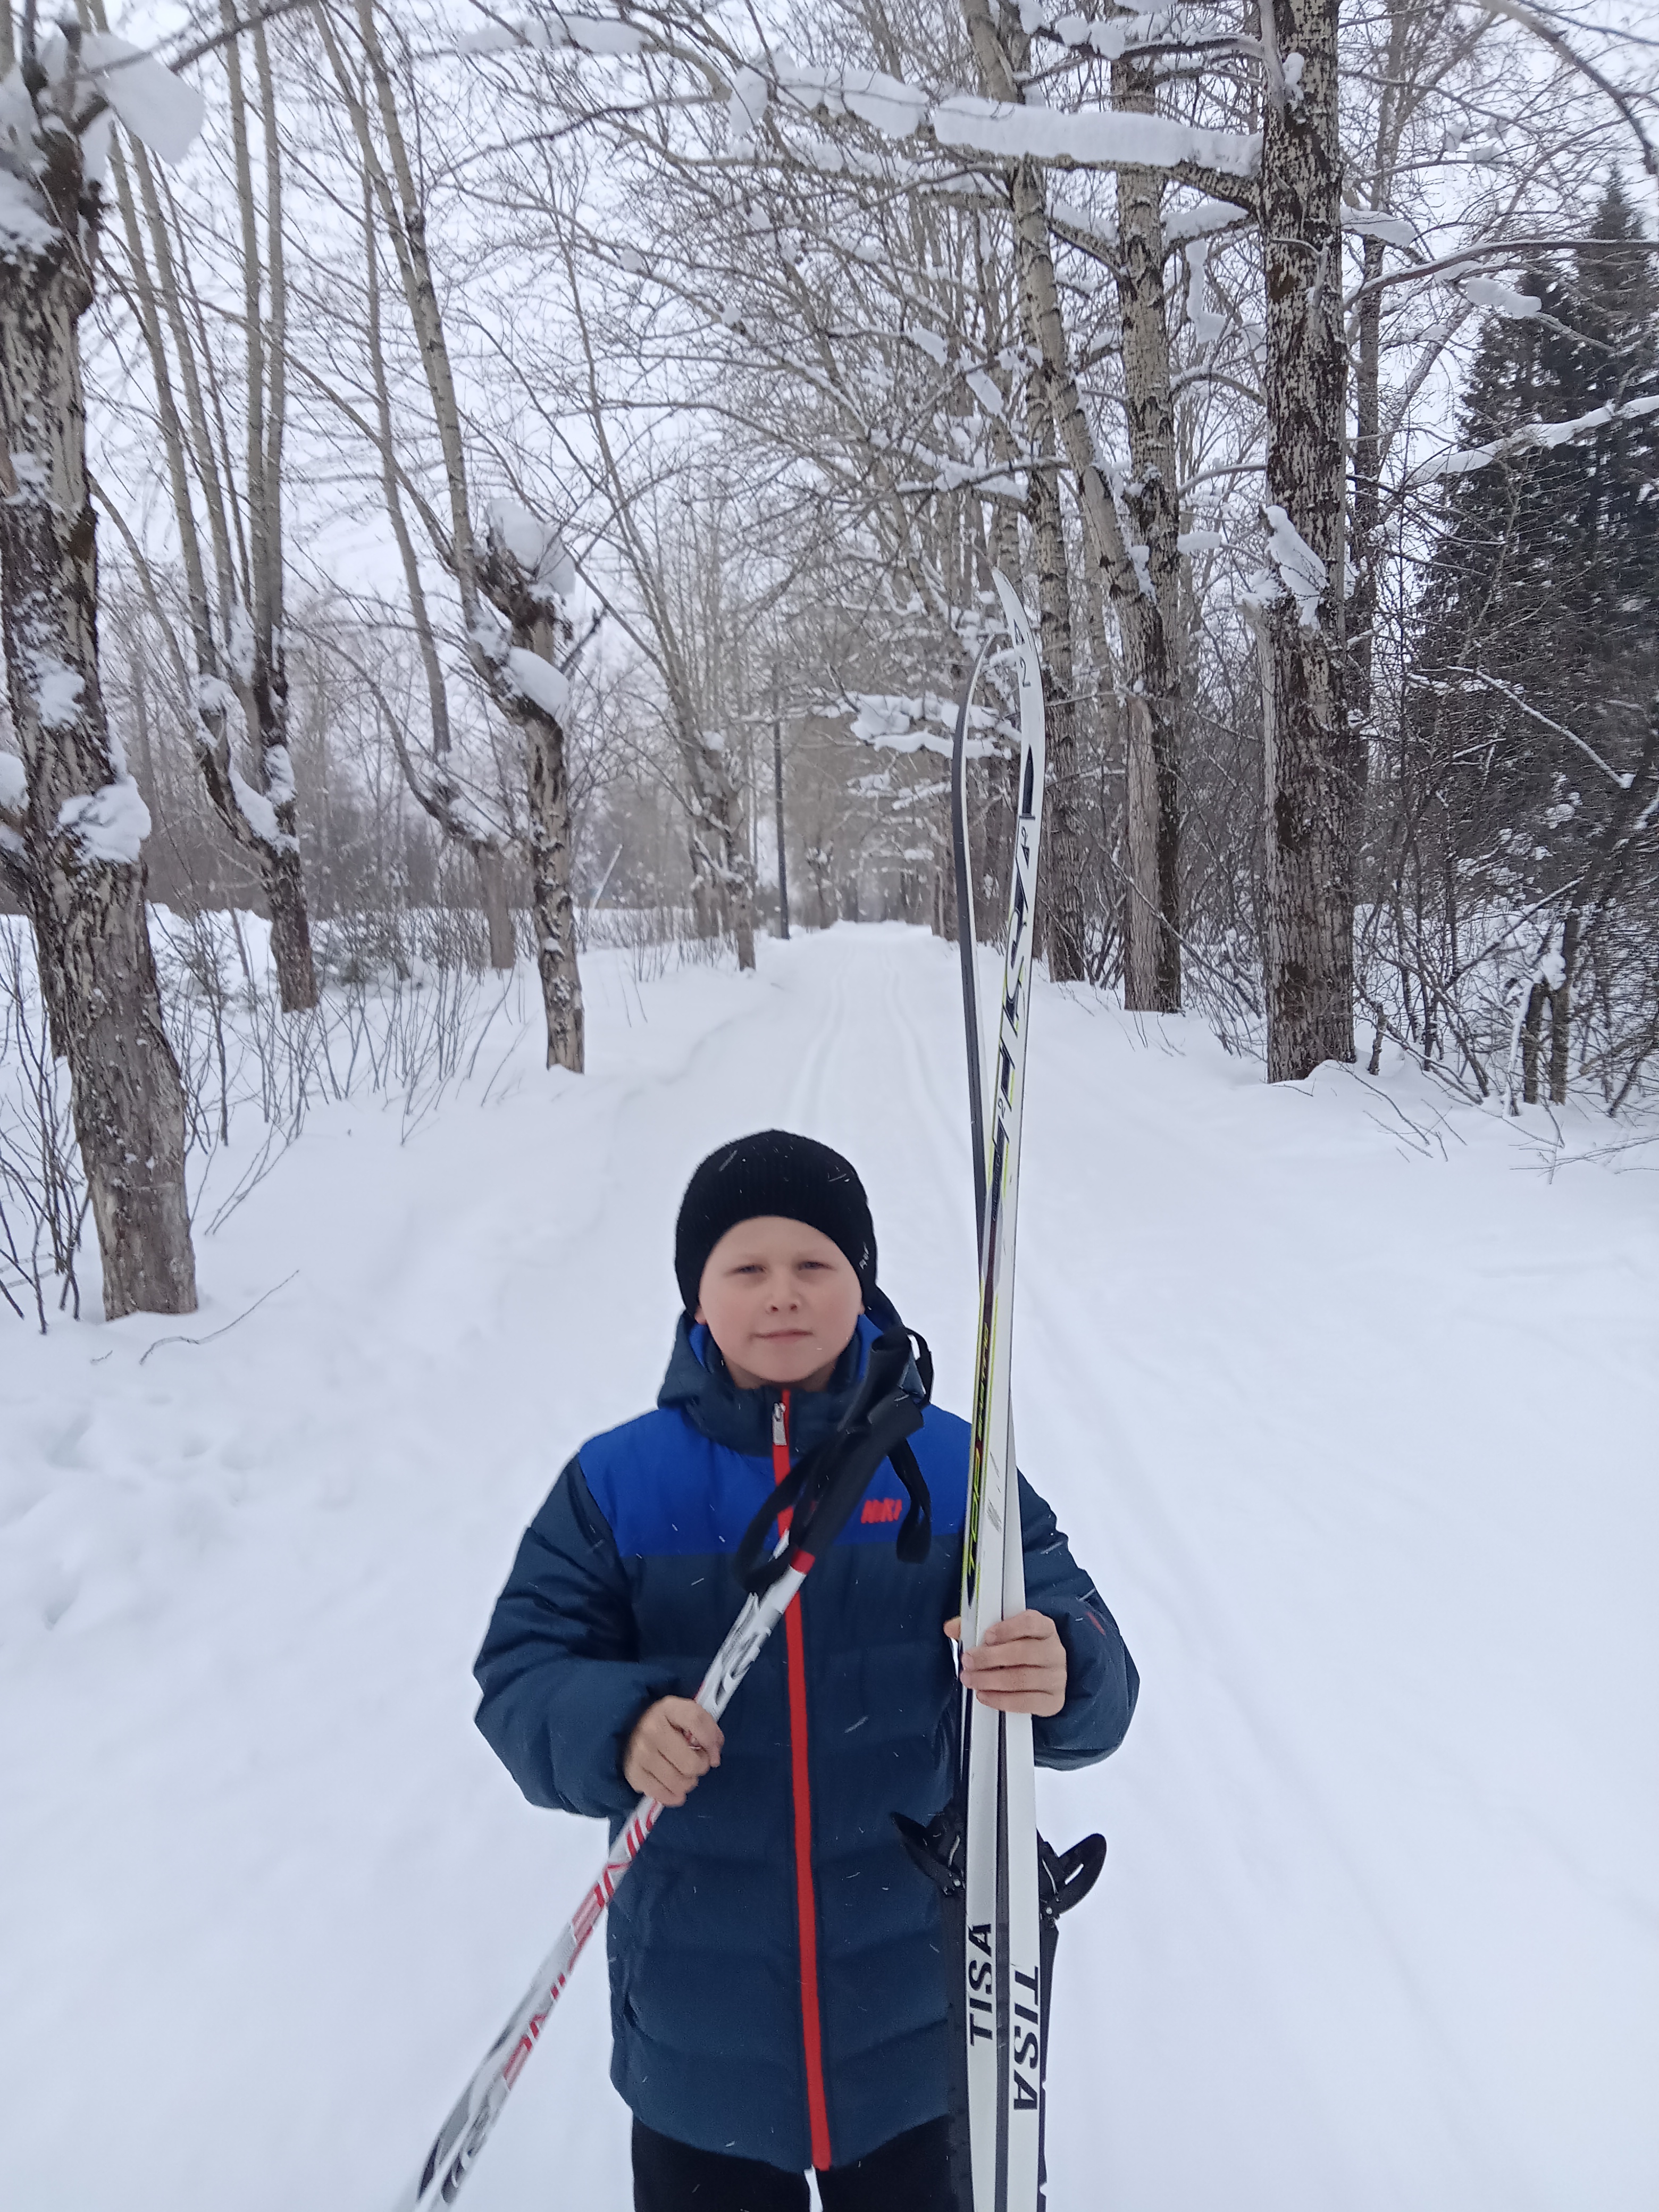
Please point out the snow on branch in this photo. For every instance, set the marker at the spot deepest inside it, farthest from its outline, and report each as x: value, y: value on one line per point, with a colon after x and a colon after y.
x: 1531, y: 437
x: 1183, y: 224
x: 554, y: 33
x: 548, y: 573
x: 1108, y: 41
x: 893, y: 723
x: 159, y: 109
x: 109, y: 825
x: 259, y: 813
x: 538, y: 681
x: 1097, y: 138
x: 1377, y: 223
x: 1501, y: 299
x: 1302, y: 573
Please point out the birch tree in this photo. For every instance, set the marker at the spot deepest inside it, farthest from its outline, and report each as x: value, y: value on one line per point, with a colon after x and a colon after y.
x: 78, y: 853
x: 228, y: 518
x: 512, y: 575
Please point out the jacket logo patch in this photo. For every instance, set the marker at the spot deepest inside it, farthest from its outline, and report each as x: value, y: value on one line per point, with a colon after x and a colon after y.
x: 882, y: 1508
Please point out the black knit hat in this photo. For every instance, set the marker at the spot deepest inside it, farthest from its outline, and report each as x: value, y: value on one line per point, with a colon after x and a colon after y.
x: 773, y: 1172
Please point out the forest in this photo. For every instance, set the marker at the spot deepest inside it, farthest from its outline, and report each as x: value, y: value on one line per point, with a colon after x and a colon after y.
x: 540, y: 553
x: 481, y: 485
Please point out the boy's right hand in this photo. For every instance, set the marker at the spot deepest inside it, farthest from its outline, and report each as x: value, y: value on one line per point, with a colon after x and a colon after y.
x: 673, y: 1745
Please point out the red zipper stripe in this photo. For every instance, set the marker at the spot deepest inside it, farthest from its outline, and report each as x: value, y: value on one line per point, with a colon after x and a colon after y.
x: 818, y: 2109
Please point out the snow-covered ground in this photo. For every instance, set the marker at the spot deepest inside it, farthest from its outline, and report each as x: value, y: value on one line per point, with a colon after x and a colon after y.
x: 1350, y: 1407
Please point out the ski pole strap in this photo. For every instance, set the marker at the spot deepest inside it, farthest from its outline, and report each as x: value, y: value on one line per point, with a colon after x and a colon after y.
x: 824, y: 1484
x: 1065, y: 1878
x: 924, y: 1359
x: 916, y: 1534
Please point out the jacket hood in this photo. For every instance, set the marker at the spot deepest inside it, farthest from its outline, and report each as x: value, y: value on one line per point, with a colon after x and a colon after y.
x: 699, y: 1384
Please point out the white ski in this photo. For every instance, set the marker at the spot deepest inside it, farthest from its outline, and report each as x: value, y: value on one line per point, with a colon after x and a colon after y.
x: 1003, y: 1951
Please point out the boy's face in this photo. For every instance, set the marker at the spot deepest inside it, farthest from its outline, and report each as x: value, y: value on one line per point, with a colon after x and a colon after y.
x: 781, y: 1301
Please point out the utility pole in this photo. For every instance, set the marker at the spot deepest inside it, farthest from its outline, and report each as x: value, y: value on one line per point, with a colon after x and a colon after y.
x: 777, y: 786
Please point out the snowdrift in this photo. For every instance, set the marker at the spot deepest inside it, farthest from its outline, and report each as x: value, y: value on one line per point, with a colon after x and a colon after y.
x: 1348, y: 1404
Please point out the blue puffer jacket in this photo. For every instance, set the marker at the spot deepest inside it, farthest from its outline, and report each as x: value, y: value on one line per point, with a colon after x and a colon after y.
x: 621, y: 1590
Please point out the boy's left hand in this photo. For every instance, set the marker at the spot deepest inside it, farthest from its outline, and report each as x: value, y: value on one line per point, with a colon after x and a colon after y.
x: 1019, y: 1666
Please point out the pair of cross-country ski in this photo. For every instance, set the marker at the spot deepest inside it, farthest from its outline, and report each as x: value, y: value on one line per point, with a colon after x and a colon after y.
x: 1003, y: 1889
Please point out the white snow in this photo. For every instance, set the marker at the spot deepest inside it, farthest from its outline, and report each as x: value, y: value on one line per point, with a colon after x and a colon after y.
x: 1502, y: 299
x: 536, y: 546
x: 58, y: 691
x: 1102, y: 230
x: 13, y: 784
x: 552, y: 33
x: 214, y: 696
x: 538, y: 680
x: 1377, y: 223
x: 1301, y: 570
x: 1208, y: 323
x: 1543, y: 436
x: 239, y: 643
x: 597, y: 34
x: 929, y: 342
x: 1097, y: 137
x: 1347, y: 1402
x: 110, y: 824
x: 751, y: 95
x: 259, y: 814
x: 22, y: 222
x: 279, y: 774
x: 984, y: 390
x: 884, y: 103
x: 159, y: 109
x: 1201, y: 219
x: 1110, y: 39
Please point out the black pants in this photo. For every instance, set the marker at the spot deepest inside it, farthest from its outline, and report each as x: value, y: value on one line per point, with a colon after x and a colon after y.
x: 908, y: 2174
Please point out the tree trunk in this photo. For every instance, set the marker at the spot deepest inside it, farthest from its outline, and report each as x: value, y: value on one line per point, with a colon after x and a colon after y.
x: 520, y: 601
x: 1532, y: 1031
x: 777, y: 794
x: 1310, y: 775
x: 548, y: 790
x: 264, y: 677
x: 253, y: 635
x: 1561, y: 1011
x: 739, y: 870
x: 1060, y: 902
x: 85, y: 819
x: 498, y: 914
x: 1152, y: 967
x: 1151, y: 689
x: 1365, y: 544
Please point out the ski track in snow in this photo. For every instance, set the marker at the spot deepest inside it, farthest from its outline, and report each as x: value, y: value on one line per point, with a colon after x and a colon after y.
x: 1356, y: 1443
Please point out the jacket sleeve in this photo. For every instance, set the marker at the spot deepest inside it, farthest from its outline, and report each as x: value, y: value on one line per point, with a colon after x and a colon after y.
x: 1101, y: 1681
x: 562, y: 1680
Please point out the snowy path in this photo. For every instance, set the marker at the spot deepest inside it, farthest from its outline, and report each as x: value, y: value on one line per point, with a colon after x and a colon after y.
x: 1357, y: 1441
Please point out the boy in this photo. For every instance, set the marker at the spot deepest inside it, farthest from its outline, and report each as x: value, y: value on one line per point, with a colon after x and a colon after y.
x: 777, y: 1990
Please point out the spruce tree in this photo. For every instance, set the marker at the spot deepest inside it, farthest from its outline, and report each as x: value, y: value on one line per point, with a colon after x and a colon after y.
x: 1537, y: 657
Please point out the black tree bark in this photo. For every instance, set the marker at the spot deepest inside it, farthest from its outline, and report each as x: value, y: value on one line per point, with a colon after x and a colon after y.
x: 84, y: 819
x: 1311, y: 756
